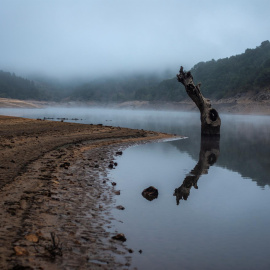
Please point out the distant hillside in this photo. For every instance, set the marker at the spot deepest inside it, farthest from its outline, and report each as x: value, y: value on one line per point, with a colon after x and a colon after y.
x: 223, y: 78
x: 38, y: 88
x: 12, y: 86
x: 249, y: 71
x: 116, y: 89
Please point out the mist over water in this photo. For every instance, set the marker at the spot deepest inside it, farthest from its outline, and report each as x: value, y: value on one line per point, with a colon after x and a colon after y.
x: 213, y: 200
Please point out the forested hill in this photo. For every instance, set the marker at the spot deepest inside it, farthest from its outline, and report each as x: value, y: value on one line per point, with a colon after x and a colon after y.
x: 15, y: 87
x: 249, y: 71
x: 223, y: 78
x: 12, y: 86
x: 117, y: 89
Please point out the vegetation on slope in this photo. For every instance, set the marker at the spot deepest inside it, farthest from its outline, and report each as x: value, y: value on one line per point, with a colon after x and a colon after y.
x: 221, y: 78
x: 12, y: 86
x: 249, y: 71
x: 114, y: 89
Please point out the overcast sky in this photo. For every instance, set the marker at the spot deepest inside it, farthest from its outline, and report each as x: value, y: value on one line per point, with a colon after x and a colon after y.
x: 64, y: 38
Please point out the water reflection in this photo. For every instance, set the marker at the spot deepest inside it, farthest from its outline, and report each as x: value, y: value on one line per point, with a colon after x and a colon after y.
x: 208, y: 156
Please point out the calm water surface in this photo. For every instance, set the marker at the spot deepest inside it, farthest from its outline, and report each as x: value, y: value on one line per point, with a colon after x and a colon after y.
x: 212, y: 211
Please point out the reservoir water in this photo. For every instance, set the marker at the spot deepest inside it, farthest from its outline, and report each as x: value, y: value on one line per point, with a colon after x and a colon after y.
x: 213, y: 204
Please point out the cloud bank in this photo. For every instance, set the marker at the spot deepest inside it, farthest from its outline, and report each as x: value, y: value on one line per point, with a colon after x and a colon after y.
x: 90, y: 38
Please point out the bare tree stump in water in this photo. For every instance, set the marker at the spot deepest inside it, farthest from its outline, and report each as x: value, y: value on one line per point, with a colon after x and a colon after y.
x: 210, y: 120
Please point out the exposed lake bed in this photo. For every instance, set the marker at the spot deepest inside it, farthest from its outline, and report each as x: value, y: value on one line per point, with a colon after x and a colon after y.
x: 55, y: 195
x: 220, y: 221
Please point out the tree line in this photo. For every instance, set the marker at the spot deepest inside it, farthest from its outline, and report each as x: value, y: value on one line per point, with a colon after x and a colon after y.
x: 12, y: 86
x: 220, y: 78
x: 223, y: 78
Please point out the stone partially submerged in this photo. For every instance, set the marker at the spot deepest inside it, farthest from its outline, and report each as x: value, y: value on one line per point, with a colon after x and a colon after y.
x: 150, y: 193
x: 120, y: 237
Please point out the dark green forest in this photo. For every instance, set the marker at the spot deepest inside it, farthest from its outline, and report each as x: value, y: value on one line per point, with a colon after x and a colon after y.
x: 15, y: 87
x: 12, y: 86
x: 115, y: 89
x: 220, y: 78
x: 227, y: 77
x: 223, y: 78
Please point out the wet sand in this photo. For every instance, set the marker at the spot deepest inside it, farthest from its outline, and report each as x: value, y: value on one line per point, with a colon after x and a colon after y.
x: 55, y: 194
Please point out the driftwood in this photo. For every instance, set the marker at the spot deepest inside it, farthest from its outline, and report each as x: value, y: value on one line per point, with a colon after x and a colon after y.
x: 208, y: 156
x: 210, y: 120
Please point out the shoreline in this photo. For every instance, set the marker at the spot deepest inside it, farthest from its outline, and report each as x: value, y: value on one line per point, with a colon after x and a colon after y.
x: 245, y: 104
x: 56, y: 196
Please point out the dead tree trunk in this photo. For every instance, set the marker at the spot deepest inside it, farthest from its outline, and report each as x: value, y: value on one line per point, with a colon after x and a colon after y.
x: 210, y: 120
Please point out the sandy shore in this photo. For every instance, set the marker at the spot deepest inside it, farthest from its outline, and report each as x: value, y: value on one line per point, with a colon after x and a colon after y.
x: 56, y: 196
x: 247, y: 103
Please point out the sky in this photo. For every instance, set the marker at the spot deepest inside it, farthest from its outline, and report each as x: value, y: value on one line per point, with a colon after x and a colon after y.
x: 93, y: 38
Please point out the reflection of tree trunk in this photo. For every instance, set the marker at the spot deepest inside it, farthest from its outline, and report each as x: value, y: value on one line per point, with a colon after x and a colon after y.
x: 208, y: 156
x: 210, y: 120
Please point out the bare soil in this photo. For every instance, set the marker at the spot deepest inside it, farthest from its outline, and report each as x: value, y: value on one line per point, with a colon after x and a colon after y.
x: 55, y: 195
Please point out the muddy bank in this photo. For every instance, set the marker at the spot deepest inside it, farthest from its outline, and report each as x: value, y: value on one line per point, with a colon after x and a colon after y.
x: 25, y: 140
x: 56, y: 196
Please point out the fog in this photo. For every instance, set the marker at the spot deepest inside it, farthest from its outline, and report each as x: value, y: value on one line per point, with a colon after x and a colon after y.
x: 92, y: 38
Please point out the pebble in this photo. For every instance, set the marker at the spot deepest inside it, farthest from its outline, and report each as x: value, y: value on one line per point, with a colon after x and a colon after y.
x: 32, y: 238
x: 20, y: 251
